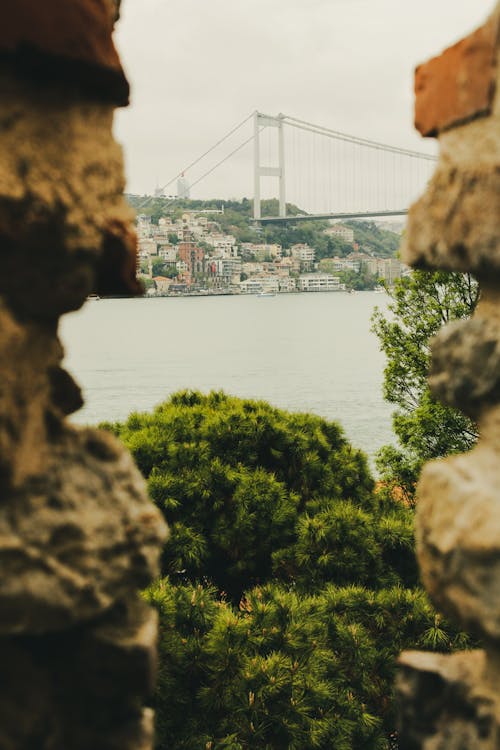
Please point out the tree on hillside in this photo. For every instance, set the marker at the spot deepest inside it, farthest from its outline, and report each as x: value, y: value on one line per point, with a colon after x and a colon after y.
x: 420, y: 305
x: 373, y: 239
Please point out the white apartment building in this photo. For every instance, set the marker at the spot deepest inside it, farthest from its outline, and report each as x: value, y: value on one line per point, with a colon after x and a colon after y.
x: 256, y: 284
x: 263, y: 250
x: 227, y: 268
x: 147, y: 245
x: 252, y: 268
x: 340, y: 264
x: 319, y: 282
x: 388, y: 269
x: 252, y: 285
x: 224, y: 245
x: 302, y: 252
x: 287, y: 284
x: 343, y: 233
x: 165, y: 223
x: 168, y: 253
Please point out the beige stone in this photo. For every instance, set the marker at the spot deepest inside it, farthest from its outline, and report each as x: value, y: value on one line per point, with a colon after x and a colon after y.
x: 458, y: 538
x: 446, y: 702
x: 465, y: 366
x: 76, y: 538
x: 454, y: 225
x: 61, y: 187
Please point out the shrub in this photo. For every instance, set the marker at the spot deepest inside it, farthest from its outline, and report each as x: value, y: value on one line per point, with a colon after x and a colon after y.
x: 289, y: 585
x: 253, y: 494
x: 285, y: 669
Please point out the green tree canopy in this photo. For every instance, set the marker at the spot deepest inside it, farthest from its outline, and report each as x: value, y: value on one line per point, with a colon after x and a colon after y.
x: 420, y: 305
x: 289, y: 585
x: 253, y: 494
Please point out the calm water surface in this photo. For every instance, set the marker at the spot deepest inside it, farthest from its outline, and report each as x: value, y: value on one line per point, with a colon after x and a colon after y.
x: 304, y: 352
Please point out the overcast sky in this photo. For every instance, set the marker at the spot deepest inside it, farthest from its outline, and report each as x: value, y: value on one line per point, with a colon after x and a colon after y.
x: 198, y: 67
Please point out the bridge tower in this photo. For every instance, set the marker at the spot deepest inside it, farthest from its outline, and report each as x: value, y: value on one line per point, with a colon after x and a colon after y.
x: 262, y: 121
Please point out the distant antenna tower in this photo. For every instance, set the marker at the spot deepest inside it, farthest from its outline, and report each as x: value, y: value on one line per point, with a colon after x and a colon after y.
x: 183, y: 189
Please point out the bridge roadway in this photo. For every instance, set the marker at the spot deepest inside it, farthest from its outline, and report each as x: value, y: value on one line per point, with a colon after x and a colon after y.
x: 316, y: 217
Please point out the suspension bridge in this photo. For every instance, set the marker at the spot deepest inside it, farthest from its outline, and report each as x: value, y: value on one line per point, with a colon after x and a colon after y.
x: 327, y: 173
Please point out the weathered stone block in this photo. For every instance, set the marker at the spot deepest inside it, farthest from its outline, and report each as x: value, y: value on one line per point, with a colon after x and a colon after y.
x: 27, y: 352
x: 65, y: 41
x: 445, y: 702
x: 465, y: 367
x: 63, y: 217
x: 458, y: 537
x: 77, y: 538
x: 454, y: 225
x: 459, y: 84
x: 53, y: 697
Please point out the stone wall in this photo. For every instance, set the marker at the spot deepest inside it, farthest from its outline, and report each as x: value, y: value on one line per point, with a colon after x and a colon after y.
x: 452, y: 702
x: 78, y: 536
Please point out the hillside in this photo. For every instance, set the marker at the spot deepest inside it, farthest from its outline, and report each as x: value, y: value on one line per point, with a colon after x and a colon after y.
x: 236, y: 220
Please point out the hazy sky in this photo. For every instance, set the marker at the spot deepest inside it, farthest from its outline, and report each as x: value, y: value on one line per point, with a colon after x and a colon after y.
x: 198, y: 67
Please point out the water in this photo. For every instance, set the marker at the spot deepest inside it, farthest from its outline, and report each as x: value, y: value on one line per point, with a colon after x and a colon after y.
x: 303, y: 352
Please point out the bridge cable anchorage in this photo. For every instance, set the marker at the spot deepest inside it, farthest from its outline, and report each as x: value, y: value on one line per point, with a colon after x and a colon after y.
x: 328, y: 132
x: 193, y: 163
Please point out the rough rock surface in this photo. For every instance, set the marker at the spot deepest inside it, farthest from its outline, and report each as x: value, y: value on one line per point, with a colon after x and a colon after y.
x: 458, y: 537
x: 465, y: 369
x: 459, y: 84
x: 78, y: 536
x: 65, y: 41
x: 453, y: 702
x: 447, y: 702
x: 454, y: 225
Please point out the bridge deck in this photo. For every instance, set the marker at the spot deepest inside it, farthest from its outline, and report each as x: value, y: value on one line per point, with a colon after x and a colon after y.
x: 316, y: 217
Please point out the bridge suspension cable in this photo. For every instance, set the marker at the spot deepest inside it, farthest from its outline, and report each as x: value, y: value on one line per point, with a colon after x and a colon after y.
x: 202, y: 156
x: 329, y: 133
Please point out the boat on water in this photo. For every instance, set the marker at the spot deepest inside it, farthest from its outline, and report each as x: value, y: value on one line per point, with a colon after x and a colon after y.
x: 266, y: 294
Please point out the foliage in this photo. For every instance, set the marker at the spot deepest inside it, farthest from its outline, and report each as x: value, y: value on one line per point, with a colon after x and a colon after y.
x: 364, y: 280
x: 289, y: 585
x: 420, y: 305
x: 253, y: 494
x: 373, y: 239
x: 146, y: 281
x: 161, y: 268
x: 284, y: 669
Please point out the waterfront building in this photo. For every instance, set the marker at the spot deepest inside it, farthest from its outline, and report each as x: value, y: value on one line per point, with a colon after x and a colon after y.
x: 162, y: 283
x: 287, y: 284
x: 257, y: 284
x: 319, y: 282
x: 227, y: 270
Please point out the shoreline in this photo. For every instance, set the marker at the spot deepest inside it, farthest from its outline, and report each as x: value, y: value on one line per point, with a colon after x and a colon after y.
x: 177, y: 295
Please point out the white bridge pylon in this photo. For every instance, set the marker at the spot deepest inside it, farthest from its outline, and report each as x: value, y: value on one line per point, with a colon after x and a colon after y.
x: 260, y: 122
